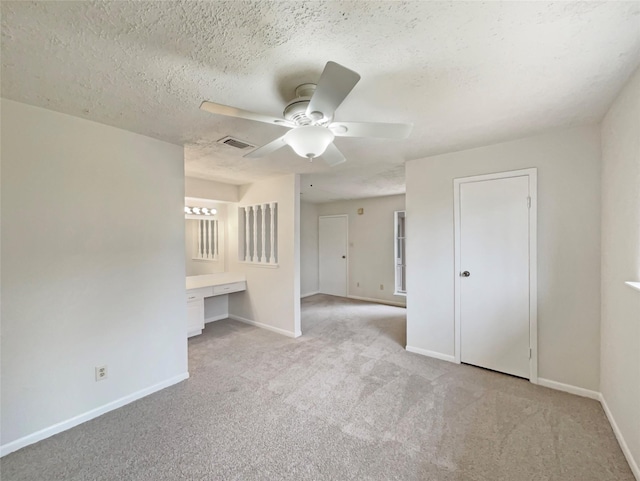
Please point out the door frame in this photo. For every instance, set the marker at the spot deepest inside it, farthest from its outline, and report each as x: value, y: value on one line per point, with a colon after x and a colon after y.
x: 532, y: 174
x: 346, y: 264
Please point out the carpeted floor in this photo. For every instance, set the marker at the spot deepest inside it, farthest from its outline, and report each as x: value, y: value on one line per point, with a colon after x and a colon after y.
x: 343, y: 402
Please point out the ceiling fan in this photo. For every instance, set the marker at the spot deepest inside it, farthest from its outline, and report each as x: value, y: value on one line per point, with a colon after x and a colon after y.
x: 310, y: 118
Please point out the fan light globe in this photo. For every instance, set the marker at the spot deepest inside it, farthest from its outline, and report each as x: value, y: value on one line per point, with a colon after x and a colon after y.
x: 309, y: 141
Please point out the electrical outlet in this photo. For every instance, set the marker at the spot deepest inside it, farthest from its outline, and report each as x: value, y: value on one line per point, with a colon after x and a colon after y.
x: 101, y: 373
x: 382, y: 287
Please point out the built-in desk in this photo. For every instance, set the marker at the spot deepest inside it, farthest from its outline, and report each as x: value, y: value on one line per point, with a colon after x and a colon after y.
x: 200, y: 287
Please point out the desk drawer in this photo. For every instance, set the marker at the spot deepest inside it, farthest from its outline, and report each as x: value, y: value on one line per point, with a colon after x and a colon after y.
x: 228, y: 288
x: 200, y: 293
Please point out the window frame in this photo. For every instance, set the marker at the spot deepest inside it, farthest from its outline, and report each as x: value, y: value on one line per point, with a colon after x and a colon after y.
x: 402, y: 256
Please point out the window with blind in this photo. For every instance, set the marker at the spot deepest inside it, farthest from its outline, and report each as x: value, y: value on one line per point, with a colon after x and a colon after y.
x: 400, y: 252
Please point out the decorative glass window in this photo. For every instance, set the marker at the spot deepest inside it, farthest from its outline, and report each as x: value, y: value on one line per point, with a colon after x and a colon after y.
x: 258, y: 233
x: 206, y: 241
x: 399, y: 218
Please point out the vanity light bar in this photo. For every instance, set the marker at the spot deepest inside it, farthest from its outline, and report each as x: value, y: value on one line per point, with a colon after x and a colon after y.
x: 199, y: 211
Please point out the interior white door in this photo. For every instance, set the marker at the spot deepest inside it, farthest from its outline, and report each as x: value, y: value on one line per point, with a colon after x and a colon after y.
x: 332, y: 246
x: 494, y: 270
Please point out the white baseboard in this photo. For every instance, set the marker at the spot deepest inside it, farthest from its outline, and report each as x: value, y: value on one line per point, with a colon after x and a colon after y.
x: 377, y: 301
x: 216, y: 318
x: 435, y: 355
x: 633, y: 464
x: 578, y: 391
x: 81, y: 418
x: 284, y: 332
x: 309, y: 294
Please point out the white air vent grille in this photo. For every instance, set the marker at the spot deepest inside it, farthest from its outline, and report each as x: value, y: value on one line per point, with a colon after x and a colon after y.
x: 237, y: 143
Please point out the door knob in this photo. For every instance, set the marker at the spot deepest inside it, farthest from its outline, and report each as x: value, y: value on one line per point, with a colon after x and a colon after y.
x: 344, y: 257
x: 466, y: 274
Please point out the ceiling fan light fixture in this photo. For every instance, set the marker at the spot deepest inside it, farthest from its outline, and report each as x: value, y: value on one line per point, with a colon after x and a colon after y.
x: 309, y: 141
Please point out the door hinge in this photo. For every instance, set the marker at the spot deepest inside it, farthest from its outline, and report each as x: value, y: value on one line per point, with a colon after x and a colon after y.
x: 529, y: 353
x: 529, y: 202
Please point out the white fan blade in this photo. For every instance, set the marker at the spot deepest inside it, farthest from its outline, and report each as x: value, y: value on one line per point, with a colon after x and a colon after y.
x: 242, y: 114
x: 332, y: 156
x: 266, y: 149
x: 371, y: 129
x: 333, y: 87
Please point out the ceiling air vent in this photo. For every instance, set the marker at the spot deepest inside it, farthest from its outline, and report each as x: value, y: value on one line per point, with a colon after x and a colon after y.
x: 237, y: 143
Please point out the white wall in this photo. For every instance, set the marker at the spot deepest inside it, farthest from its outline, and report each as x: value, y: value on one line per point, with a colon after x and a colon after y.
x: 371, y: 238
x: 197, y: 267
x: 272, y: 298
x: 620, y: 330
x: 308, y: 248
x: 568, y: 163
x: 210, y: 189
x: 92, y: 267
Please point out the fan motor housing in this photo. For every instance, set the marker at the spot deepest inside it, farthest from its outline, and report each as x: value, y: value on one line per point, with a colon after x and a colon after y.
x: 296, y: 110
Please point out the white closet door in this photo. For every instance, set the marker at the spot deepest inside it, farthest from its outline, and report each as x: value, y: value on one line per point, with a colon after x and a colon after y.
x: 494, y: 270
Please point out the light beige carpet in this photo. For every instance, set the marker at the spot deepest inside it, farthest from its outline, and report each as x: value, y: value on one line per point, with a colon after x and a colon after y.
x: 344, y: 402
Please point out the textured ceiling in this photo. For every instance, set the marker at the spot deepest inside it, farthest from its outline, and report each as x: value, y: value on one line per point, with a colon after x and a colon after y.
x: 465, y: 74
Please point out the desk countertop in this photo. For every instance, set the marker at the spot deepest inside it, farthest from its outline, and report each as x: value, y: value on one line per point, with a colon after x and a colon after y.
x: 194, y: 282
